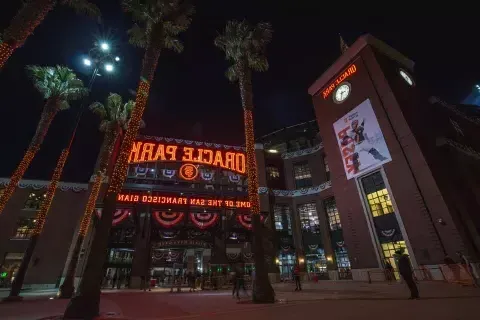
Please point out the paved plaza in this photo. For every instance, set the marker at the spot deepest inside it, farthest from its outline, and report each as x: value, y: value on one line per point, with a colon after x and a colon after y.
x: 336, y: 300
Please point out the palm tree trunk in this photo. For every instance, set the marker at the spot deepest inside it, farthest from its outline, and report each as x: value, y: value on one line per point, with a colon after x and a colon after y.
x: 40, y: 222
x: 22, y: 26
x: 87, y: 301
x: 68, y: 287
x: 263, y: 291
x: 42, y: 128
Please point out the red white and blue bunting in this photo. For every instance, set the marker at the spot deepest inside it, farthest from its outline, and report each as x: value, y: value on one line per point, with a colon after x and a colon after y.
x: 204, y: 220
x: 118, y: 216
x: 168, y: 173
x: 234, y: 178
x: 206, y: 175
x: 140, y: 172
x: 168, y: 219
x: 245, y: 219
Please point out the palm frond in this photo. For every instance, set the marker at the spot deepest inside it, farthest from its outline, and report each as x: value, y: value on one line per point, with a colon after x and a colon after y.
x: 83, y: 7
x: 245, y: 44
x: 58, y: 83
x: 98, y: 109
x: 137, y: 36
x: 170, y: 16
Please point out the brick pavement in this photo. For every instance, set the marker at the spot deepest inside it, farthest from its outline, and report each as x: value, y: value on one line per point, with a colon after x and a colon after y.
x: 339, y: 299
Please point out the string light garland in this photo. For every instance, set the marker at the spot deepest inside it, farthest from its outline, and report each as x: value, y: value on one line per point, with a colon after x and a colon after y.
x: 52, y: 187
x: 251, y: 162
x: 30, y: 15
x: 121, y: 167
x: 17, y: 175
x: 5, y: 52
x: 92, y: 200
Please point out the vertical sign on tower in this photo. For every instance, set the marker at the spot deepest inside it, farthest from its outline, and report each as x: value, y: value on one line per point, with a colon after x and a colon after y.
x: 360, y: 140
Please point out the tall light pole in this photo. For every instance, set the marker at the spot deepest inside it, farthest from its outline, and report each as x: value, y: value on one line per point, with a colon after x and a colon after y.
x: 99, y: 58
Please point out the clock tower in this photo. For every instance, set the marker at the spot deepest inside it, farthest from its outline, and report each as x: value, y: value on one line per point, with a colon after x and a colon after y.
x: 395, y: 183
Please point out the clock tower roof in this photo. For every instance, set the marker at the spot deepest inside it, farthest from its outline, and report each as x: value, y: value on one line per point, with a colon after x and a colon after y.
x: 351, y: 52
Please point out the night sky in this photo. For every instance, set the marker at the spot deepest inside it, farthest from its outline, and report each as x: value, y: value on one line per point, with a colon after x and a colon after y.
x: 190, y: 97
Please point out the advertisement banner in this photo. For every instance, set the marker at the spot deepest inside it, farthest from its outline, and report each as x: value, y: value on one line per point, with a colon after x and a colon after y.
x: 361, y: 141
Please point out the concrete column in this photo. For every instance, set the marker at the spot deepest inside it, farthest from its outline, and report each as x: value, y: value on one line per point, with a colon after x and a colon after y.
x: 141, y: 256
x: 297, y: 237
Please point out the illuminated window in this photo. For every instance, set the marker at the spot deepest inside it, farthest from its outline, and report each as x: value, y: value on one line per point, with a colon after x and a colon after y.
x: 34, y: 200
x: 302, y: 175
x: 25, y: 228
x: 273, y: 172
x: 327, y: 168
x: 343, y: 262
x: 332, y: 213
x: 378, y: 197
x: 389, y: 249
x: 282, y: 218
x: 316, y: 262
x: 309, y: 217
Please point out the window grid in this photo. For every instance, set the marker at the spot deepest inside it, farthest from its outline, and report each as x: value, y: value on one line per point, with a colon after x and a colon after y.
x: 25, y: 227
x: 273, y: 172
x: 282, y: 217
x: 389, y: 249
x: 378, y: 198
x: 308, y: 217
x: 35, y: 200
x: 332, y: 213
x: 302, y: 175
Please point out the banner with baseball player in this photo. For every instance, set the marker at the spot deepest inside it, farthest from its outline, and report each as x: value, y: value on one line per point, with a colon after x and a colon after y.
x: 361, y: 141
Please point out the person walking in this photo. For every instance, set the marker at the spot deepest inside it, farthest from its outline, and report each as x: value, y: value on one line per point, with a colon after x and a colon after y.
x: 241, y: 282
x: 234, y: 282
x: 296, y: 276
x: 114, y: 280
x: 389, y: 273
x: 406, y: 272
x: 120, y: 281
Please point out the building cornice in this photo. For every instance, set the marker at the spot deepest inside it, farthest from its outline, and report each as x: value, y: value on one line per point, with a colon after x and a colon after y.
x: 298, y: 192
x: 299, y: 153
x: 42, y: 184
x: 351, y: 54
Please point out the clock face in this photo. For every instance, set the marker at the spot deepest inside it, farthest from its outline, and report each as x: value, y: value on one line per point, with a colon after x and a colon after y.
x: 342, y: 92
x: 408, y: 79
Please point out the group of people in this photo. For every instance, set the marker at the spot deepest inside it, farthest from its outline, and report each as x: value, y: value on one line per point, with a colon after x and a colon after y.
x: 117, y: 281
x: 238, y: 281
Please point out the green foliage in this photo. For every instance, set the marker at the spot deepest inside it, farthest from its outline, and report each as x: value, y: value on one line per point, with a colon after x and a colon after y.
x: 83, y: 7
x: 164, y: 19
x: 114, y: 112
x: 245, y: 44
x: 58, y: 84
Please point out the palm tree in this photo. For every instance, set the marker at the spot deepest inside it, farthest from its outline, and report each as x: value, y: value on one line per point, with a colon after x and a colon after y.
x: 159, y: 24
x: 58, y: 85
x: 31, y: 14
x: 114, y: 116
x: 244, y: 46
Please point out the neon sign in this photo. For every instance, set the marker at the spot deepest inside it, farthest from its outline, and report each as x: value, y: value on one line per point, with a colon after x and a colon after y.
x: 149, y: 152
x: 345, y: 74
x: 188, y: 171
x: 173, y: 200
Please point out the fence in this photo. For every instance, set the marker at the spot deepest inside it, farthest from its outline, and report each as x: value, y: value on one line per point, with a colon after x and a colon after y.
x: 453, y: 273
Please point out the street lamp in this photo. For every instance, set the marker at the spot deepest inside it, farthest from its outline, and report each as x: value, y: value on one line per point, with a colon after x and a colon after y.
x: 108, y: 67
x: 98, y: 57
x: 105, y: 46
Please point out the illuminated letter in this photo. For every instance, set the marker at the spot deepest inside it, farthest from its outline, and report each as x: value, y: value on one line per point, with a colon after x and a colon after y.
x: 209, y: 156
x: 218, y: 159
x: 147, y: 152
x: 121, y: 197
x: 240, y: 167
x: 187, y: 154
x: 199, y: 157
x: 229, y: 161
x: 135, y: 199
x: 160, y: 154
x: 144, y: 198
x: 134, y: 153
x: 172, y: 151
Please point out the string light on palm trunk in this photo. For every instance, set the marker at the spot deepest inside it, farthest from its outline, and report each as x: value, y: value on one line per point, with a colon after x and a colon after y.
x: 251, y: 162
x: 121, y: 167
x: 92, y: 200
x: 52, y: 187
x: 17, y: 175
x: 5, y: 52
